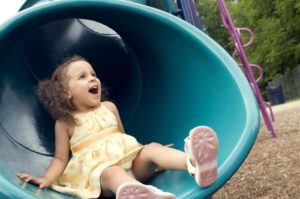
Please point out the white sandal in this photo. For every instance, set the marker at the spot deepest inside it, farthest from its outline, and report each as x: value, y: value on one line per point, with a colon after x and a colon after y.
x: 140, y: 191
x: 201, y: 147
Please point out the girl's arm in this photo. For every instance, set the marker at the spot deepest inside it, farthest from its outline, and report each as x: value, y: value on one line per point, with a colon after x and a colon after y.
x: 59, y: 162
x: 111, y: 106
x: 61, y: 156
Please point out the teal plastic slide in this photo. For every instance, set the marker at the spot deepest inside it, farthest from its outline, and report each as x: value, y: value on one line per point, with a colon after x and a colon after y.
x: 165, y: 75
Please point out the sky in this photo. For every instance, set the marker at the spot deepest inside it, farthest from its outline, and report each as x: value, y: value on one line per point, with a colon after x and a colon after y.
x: 9, y: 8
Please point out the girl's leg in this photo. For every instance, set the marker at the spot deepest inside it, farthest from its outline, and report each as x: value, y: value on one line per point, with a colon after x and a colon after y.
x: 112, y: 177
x: 153, y: 155
x: 201, y: 147
x: 115, y: 179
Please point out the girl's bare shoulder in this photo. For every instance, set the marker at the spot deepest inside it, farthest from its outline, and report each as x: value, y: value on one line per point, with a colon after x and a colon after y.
x: 110, y: 105
x: 63, y: 127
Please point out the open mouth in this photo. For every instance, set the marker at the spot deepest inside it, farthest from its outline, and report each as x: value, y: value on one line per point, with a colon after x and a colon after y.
x: 94, y: 90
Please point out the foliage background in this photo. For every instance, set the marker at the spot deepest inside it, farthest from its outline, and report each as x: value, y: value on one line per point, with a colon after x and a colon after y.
x: 276, y: 26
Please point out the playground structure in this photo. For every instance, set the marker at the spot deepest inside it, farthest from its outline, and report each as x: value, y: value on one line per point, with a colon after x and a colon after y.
x: 170, y: 77
x: 239, y: 52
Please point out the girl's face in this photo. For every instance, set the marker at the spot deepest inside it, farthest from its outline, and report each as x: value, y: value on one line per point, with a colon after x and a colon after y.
x: 84, y: 88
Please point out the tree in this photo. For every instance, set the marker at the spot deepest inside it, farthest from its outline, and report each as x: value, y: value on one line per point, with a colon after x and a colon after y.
x: 275, y: 24
x: 212, y: 23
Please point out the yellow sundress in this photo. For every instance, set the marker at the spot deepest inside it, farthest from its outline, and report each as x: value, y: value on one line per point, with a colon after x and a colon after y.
x: 96, y: 144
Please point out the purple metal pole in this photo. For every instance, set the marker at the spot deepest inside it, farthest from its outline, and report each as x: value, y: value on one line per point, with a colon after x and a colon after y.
x: 227, y: 21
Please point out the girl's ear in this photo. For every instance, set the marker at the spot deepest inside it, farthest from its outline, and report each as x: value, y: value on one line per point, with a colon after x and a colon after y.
x: 69, y: 94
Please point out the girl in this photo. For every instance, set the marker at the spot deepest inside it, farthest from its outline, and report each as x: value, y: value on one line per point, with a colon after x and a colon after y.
x: 105, y: 160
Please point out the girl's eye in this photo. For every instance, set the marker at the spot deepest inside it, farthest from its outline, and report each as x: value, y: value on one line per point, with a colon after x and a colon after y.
x: 82, y: 76
x: 94, y: 74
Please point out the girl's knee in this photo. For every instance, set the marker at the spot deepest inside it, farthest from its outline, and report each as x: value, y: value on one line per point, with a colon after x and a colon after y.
x: 150, y: 150
x: 153, y: 146
x: 111, y: 172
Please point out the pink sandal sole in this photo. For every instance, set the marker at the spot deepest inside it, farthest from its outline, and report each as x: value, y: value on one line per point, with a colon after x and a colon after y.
x: 140, y: 191
x: 204, y: 147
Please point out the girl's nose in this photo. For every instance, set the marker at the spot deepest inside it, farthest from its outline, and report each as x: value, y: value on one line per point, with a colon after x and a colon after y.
x: 92, y: 78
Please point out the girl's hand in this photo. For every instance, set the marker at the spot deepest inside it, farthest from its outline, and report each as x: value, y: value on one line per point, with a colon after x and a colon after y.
x: 41, y: 182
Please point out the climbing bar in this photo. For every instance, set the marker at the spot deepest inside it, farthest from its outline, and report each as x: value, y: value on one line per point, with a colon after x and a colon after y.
x: 251, y: 35
x: 235, y: 34
x: 260, y: 72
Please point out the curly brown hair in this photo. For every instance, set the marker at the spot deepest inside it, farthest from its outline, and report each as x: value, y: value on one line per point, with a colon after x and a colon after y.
x: 52, y: 93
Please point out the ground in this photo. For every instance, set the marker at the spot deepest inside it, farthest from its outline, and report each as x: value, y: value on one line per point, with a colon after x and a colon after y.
x: 272, y: 169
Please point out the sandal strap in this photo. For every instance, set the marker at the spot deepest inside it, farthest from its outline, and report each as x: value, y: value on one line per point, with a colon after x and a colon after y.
x: 191, y: 168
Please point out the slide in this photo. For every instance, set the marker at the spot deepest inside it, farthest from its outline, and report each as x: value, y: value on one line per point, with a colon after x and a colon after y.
x: 165, y: 75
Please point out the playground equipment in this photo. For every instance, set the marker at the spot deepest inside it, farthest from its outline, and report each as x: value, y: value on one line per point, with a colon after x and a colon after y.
x: 239, y: 51
x: 164, y: 74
